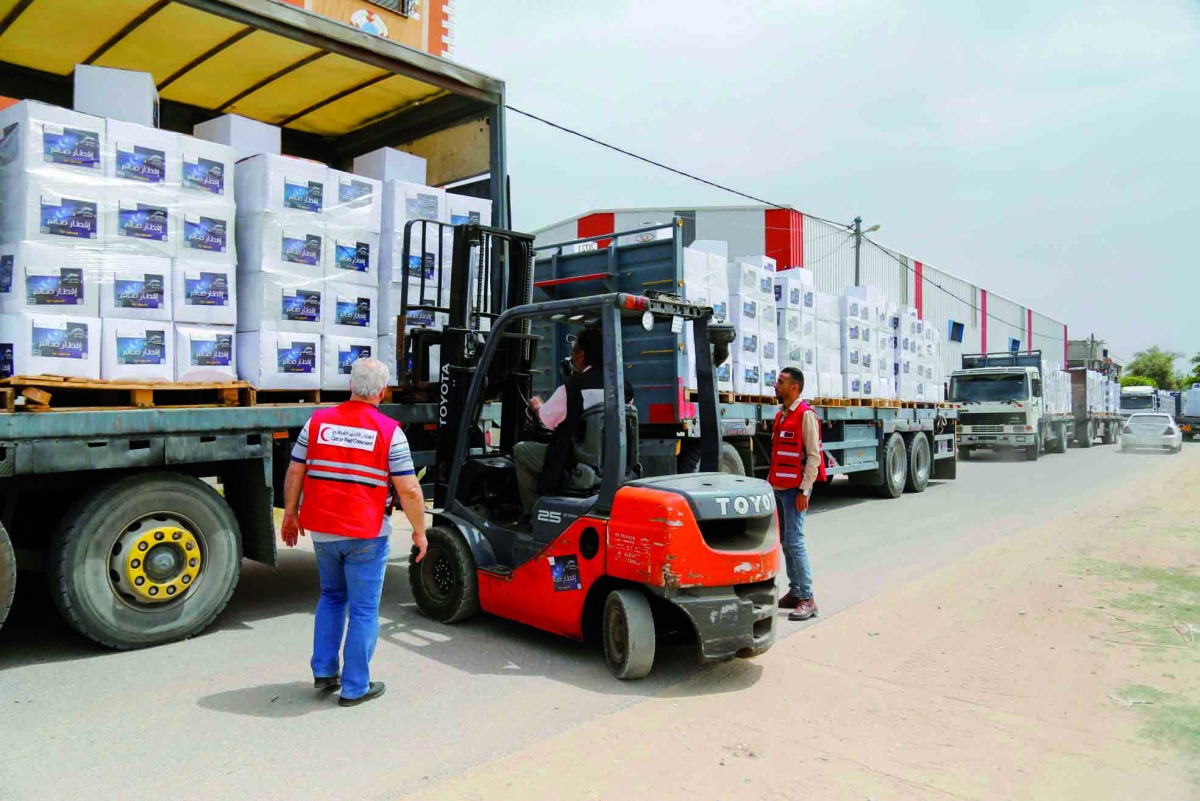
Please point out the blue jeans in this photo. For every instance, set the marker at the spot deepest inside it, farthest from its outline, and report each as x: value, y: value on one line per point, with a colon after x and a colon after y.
x: 791, y: 537
x: 351, y: 577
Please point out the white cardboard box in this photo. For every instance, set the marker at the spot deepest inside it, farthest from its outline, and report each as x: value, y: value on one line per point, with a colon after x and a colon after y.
x: 52, y: 207
x: 353, y: 256
x: 143, y: 221
x: 352, y: 310
x: 50, y: 344
x: 146, y: 157
x: 50, y: 140
x: 204, y: 293
x: 279, y: 360
x: 205, y: 353
x: 127, y: 95
x: 209, y: 233
x: 282, y: 243
x: 138, y: 350
x: 136, y: 288
x: 281, y: 185
x: 272, y: 301
x: 340, y: 353
x: 354, y: 201
x: 50, y: 279
x: 247, y: 137
x: 207, y: 171
x: 390, y: 164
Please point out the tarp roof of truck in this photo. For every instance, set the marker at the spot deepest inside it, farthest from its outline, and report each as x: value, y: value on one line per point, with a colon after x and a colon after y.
x: 336, y: 91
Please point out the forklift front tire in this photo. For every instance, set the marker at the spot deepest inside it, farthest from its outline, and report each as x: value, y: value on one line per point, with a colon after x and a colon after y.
x: 629, y: 637
x: 445, y: 584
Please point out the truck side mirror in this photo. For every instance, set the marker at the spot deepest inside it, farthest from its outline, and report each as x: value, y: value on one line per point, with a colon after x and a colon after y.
x: 1037, y: 387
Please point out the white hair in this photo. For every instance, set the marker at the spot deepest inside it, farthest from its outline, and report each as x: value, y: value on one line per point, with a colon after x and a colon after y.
x: 369, y: 377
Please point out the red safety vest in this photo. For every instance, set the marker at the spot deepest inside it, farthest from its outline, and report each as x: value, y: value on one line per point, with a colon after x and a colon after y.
x: 787, y: 449
x: 346, y: 485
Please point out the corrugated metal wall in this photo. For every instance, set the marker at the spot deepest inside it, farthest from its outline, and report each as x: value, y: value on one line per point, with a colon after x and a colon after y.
x: 946, y: 298
x: 829, y: 253
x: 1006, y: 320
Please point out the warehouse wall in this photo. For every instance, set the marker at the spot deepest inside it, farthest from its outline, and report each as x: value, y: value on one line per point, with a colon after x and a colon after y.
x: 946, y: 298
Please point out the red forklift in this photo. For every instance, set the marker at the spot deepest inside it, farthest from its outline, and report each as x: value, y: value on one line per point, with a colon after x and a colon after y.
x: 619, y: 558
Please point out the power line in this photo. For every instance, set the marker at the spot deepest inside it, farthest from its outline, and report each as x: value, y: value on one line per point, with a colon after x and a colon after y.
x: 666, y: 167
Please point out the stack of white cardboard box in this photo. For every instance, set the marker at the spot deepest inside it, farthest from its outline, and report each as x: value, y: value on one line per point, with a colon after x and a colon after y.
x: 796, y: 313
x: 118, y: 257
x: 1056, y: 388
x: 752, y: 312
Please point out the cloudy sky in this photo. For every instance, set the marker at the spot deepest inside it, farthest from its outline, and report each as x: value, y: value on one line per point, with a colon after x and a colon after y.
x: 1045, y: 151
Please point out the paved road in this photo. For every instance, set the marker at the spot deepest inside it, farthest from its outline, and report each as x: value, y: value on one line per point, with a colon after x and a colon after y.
x: 232, y: 715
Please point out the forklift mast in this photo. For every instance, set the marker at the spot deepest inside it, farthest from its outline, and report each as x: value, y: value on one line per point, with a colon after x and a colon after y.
x: 490, y: 271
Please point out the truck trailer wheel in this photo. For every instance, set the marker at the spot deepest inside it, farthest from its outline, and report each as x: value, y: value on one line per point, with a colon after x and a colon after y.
x: 629, y: 638
x: 1109, y: 437
x: 895, y: 467
x: 8, y: 574
x: 1087, y: 433
x: 145, y: 560
x: 920, y: 462
x: 445, y: 583
x: 731, y: 461
x: 1060, y: 441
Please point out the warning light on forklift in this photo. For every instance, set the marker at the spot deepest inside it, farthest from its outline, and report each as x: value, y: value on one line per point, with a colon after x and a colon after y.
x: 636, y: 302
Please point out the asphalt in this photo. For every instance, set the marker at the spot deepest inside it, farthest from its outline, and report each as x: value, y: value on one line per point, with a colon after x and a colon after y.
x: 232, y: 714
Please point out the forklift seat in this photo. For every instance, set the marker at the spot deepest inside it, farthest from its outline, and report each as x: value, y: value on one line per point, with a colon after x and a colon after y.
x: 589, y: 450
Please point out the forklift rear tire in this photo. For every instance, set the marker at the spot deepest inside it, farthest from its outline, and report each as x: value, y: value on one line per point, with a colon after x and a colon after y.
x: 8, y: 574
x: 731, y: 461
x: 895, y: 468
x: 629, y: 638
x: 445, y: 583
x: 920, y: 463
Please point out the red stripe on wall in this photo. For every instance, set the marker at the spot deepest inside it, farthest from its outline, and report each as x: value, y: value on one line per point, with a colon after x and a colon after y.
x: 983, y: 321
x: 1066, y: 348
x: 596, y: 224
x: 783, y: 237
x: 1029, y: 328
x: 919, y: 293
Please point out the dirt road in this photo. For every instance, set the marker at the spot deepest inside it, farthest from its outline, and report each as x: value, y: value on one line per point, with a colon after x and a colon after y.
x: 1060, y: 663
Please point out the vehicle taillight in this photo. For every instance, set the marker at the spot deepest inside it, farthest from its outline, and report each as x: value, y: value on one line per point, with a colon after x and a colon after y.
x: 636, y: 302
x: 1169, y: 432
x: 1126, y: 430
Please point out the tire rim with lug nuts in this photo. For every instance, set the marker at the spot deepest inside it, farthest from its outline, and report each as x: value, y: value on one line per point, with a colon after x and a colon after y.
x: 155, y: 561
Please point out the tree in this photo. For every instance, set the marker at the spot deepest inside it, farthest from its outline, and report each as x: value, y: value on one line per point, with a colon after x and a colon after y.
x: 1137, y: 381
x: 1194, y: 378
x: 1156, y: 364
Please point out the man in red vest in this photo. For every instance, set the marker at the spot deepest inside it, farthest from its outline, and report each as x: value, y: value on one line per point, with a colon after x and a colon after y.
x: 796, y: 464
x: 344, y: 461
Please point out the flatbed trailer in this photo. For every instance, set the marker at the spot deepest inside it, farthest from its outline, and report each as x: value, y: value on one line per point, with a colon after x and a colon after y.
x: 192, y: 490
x: 889, y: 448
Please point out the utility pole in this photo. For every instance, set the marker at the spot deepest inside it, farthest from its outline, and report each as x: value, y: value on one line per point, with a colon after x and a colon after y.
x: 857, y: 249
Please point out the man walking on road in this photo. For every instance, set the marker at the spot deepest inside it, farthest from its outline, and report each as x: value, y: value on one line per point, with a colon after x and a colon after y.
x: 344, y: 460
x: 796, y: 464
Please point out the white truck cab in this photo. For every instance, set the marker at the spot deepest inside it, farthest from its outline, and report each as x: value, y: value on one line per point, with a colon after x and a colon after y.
x: 1004, y: 407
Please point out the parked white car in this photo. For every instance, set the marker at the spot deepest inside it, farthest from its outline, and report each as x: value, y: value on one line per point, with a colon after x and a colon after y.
x: 1151, y: 430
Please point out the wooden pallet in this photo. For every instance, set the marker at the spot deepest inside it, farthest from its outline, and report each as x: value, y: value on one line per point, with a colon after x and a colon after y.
x: 42, y: 393
x: 834, y: 402
x: 255, y: 396
x: 722, y: 397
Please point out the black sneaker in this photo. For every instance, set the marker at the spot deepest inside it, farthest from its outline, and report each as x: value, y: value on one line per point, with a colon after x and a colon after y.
x: 375, y: 690
x: 327, y: 682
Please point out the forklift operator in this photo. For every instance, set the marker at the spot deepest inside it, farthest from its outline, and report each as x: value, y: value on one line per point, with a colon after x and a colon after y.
x: 541, y: 468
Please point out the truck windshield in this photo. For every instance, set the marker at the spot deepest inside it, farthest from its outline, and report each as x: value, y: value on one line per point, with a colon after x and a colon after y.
x: 1136, y: 402
x: 988, y: 388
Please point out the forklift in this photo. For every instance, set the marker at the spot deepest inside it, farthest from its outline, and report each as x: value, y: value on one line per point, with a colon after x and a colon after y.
x: 617, y: 558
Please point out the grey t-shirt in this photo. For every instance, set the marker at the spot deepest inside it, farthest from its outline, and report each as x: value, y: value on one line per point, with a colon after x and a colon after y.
x: 400, y: 463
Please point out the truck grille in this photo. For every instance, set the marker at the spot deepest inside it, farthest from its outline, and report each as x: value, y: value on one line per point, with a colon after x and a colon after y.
x: 991, y: 419
x: 988, y: 429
